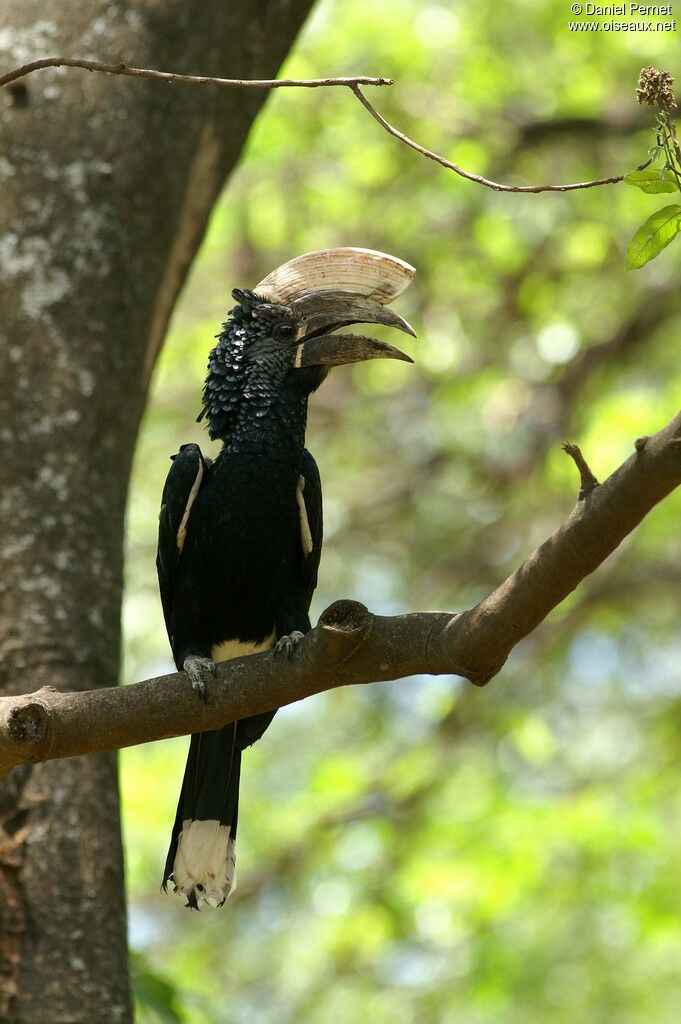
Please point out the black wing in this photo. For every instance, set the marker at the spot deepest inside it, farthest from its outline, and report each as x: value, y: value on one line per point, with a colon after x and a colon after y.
x: 311, y: 538
x: 188, y: 474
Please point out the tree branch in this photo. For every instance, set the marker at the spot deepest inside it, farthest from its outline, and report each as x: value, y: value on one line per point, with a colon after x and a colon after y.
x: 352, y: 83
x: 478, y: 178
x: 351, y: 645
x: 168, y: 76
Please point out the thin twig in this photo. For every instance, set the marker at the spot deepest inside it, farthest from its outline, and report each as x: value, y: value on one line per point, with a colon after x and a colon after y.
x: 675, y: 140
x: 352, y: 83
x: 478, y: 178
x: 668, y: 142
x: 167, y: 76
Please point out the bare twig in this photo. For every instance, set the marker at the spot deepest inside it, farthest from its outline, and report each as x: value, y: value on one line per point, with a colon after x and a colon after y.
x: 351, y: 645
x: 353, y: 83
x: 167, y: 76
x: 478, y: 178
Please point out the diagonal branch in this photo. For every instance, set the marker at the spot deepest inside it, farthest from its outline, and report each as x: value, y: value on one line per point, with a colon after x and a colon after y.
x: 351, y: 645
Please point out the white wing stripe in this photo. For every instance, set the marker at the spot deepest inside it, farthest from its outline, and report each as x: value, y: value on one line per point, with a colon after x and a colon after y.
x: 182, y: 530
x: 305, y: 533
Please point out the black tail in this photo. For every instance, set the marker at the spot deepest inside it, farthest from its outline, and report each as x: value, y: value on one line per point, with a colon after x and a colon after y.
x: 201, y: 857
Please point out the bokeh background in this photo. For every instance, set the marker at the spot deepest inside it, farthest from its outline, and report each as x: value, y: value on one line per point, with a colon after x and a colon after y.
x: 422, y: 850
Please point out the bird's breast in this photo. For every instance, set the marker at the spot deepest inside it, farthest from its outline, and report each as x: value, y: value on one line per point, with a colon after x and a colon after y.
x: 242, y: 548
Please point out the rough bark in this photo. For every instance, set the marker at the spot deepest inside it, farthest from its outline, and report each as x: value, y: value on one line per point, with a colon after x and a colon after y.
x: 350, y: 644
x: 106, y: 185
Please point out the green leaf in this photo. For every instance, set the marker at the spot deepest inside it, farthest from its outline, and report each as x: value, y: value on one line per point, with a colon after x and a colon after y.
x: 651, y: 238
x: 653, y: 181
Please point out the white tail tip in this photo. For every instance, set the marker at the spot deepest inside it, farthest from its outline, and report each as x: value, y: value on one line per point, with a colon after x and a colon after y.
x: 204, y: 871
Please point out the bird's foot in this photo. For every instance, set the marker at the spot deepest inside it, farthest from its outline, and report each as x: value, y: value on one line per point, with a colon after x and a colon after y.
x: 199, y: 670
x: 288, y: 643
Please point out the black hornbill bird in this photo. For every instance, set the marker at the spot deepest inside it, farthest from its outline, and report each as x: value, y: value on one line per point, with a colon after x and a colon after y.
x: 240, y: 538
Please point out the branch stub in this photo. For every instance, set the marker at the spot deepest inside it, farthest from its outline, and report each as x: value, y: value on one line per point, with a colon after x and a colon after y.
x: 345, y: 617
x: 28, y: 723
x: 588, y: 481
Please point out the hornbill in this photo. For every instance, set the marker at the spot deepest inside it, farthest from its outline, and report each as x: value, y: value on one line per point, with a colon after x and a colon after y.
x: 240, y: 538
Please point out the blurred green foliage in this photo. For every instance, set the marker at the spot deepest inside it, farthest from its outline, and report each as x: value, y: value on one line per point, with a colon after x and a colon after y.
x: 423, y: 851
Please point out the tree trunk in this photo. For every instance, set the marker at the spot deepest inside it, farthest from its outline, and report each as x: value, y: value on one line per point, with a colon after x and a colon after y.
x: 107, y: 183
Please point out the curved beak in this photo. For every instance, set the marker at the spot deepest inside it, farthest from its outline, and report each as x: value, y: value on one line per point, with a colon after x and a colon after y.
x: 339, y: 349
x: 323, y: 311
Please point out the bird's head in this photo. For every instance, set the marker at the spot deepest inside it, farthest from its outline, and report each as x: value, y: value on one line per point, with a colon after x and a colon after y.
x: 280, y: 336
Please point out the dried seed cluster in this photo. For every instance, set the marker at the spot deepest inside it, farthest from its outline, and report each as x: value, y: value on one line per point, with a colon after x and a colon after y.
x: 655, y: 89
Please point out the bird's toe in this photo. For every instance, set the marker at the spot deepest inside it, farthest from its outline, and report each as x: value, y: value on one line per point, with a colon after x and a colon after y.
x: 287, y: 644
x: 199, y: 671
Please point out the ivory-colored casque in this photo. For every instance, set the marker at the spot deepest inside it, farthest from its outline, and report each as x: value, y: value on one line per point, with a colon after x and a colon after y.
x: 361, y: 271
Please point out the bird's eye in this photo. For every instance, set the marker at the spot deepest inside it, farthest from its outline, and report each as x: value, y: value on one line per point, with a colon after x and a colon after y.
x: 284, y: 332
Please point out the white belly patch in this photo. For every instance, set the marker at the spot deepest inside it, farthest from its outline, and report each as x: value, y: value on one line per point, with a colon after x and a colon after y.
x: 238, y: 649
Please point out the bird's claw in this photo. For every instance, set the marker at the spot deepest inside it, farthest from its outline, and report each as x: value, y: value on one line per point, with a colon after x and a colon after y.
x: 199, y: 671
x: 288, y: 644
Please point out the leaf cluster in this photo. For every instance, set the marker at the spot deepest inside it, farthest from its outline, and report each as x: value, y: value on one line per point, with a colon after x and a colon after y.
x: 663, y: 226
